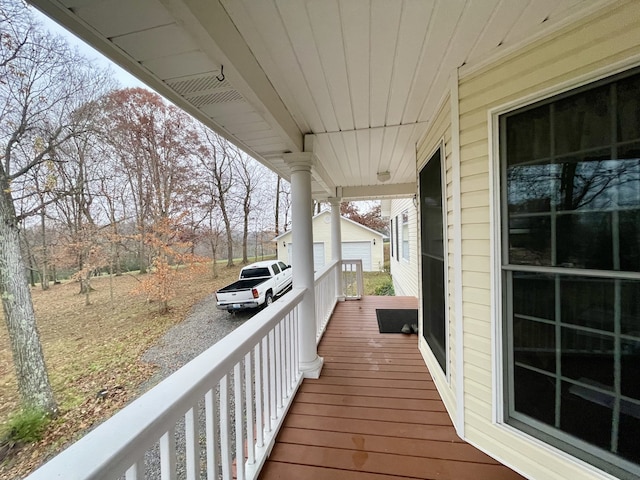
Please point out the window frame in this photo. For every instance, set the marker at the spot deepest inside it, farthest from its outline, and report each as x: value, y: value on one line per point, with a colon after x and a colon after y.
x: 397, y: 242
x: 438, y: 149
x: 391, y: 239
x: 503, y: 391
x: 406, y: 253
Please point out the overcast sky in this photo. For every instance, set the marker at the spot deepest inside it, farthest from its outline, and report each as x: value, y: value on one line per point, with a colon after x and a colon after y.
x: 124, y: 78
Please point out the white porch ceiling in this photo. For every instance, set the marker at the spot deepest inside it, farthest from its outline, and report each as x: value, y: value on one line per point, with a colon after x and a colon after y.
x: 358, y: 79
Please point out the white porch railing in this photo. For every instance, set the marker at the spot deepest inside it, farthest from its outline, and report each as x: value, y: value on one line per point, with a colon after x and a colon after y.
x: 326, y: 293
x: 228, y: 403
x: 352, y: 281
x: 333, y: 283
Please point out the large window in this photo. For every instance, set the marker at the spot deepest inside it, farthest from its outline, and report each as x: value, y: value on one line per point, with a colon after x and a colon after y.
x: 397, y: 244
x: 392, y: 242
x: 570, y: 172
x: 405, y: 235
x: 432, y: 258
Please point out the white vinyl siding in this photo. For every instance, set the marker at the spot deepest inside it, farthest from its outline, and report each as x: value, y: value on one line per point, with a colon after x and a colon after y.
x: 580, y: 53
x: 403, y: 273
x: 318, y: 254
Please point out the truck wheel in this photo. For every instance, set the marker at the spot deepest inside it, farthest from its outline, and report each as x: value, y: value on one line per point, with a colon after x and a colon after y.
x: 268, y: 299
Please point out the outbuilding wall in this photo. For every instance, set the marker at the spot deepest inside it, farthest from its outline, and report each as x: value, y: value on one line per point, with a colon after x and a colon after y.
x: 351, y: 232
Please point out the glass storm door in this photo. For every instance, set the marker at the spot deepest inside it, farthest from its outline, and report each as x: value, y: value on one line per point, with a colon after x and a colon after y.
x: 432, y: 257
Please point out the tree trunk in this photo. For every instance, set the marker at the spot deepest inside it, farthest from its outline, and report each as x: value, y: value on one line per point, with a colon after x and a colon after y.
x: 213, y: 243
x: 245, y: 239
x: 227, y: 226
x: 142, y: 259
x: 32, y: 272
x: 30, y: 260
x: 85, y: 288
x: 44, y: 283
x: 111, y: 281
x: 115, y: 244
x: 215, y: 266
x: 31, y: 373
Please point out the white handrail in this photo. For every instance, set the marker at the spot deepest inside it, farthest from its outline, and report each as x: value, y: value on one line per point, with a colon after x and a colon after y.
x: 268, y: 356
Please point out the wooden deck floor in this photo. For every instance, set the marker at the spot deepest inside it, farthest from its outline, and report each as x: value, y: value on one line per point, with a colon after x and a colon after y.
x: 374, y: 413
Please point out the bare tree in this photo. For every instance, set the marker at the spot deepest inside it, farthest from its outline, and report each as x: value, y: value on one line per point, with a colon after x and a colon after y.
x: 250, y: 177
x: 44, y: 89
x: 15, y: 31
x: 111, y: 200
x: 76, y: 176
x: 214, y: 234
x: 217, y: 157
x: 153, y: 143
x: 284, y: 205
x: 123, y: 113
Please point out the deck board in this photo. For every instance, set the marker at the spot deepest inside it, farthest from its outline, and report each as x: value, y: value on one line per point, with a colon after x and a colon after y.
x: 374, y: 413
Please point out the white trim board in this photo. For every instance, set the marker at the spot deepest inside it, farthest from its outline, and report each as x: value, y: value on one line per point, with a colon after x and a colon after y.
x: 457, y: 254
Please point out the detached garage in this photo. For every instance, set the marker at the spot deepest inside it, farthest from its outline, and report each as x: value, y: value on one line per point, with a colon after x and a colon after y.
x: 358, y: 243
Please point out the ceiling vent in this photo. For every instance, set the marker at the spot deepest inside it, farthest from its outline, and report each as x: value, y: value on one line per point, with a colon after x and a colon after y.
x: 205, y: 90
x: 198, y: 84
x: 218, y: 97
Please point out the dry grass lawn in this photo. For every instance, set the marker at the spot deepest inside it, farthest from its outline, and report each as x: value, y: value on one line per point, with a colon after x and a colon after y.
x: 91, y: 348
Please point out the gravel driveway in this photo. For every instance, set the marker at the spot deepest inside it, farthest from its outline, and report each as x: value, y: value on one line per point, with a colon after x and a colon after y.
x: 203, y: 327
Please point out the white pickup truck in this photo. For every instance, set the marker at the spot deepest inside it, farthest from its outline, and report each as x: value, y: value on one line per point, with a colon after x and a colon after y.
x: 258, y: 285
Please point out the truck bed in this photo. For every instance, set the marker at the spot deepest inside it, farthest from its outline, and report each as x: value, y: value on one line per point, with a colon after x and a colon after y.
x: 244, y: 284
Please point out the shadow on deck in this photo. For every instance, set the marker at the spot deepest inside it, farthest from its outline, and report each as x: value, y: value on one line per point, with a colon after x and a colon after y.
x: 374, y: 413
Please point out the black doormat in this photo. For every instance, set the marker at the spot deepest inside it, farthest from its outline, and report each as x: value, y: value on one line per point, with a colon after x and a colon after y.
x: 392, y: 320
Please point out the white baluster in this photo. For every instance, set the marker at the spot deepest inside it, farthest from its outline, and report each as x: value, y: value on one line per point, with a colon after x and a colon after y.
x: 266, y: 384
x: 272, y: 380
x: 249, y: 406
x: 191, y: 445
x: 135, y: 471
x: 225, y: 437
x: 237, y: 400
x: 168, y: 455
x: 259, y: 398
x: 212, y: 435
x: 283, y: 358
x: 287, y: 354
x: 278, y: 345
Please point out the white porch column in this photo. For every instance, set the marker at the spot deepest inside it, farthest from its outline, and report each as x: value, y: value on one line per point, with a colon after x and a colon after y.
x: 303, y: 275
x: 336, y: 241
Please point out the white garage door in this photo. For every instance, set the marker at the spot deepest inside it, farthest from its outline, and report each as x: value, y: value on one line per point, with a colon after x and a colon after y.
x: 358, y: 251
x: 318, y: 255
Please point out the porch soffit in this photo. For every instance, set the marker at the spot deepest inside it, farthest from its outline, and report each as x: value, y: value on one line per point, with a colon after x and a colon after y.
x: 363, y: 77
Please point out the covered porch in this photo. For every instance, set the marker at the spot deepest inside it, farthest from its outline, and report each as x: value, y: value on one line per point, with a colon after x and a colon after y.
x: 403, y: 101
x: 374, y: 412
